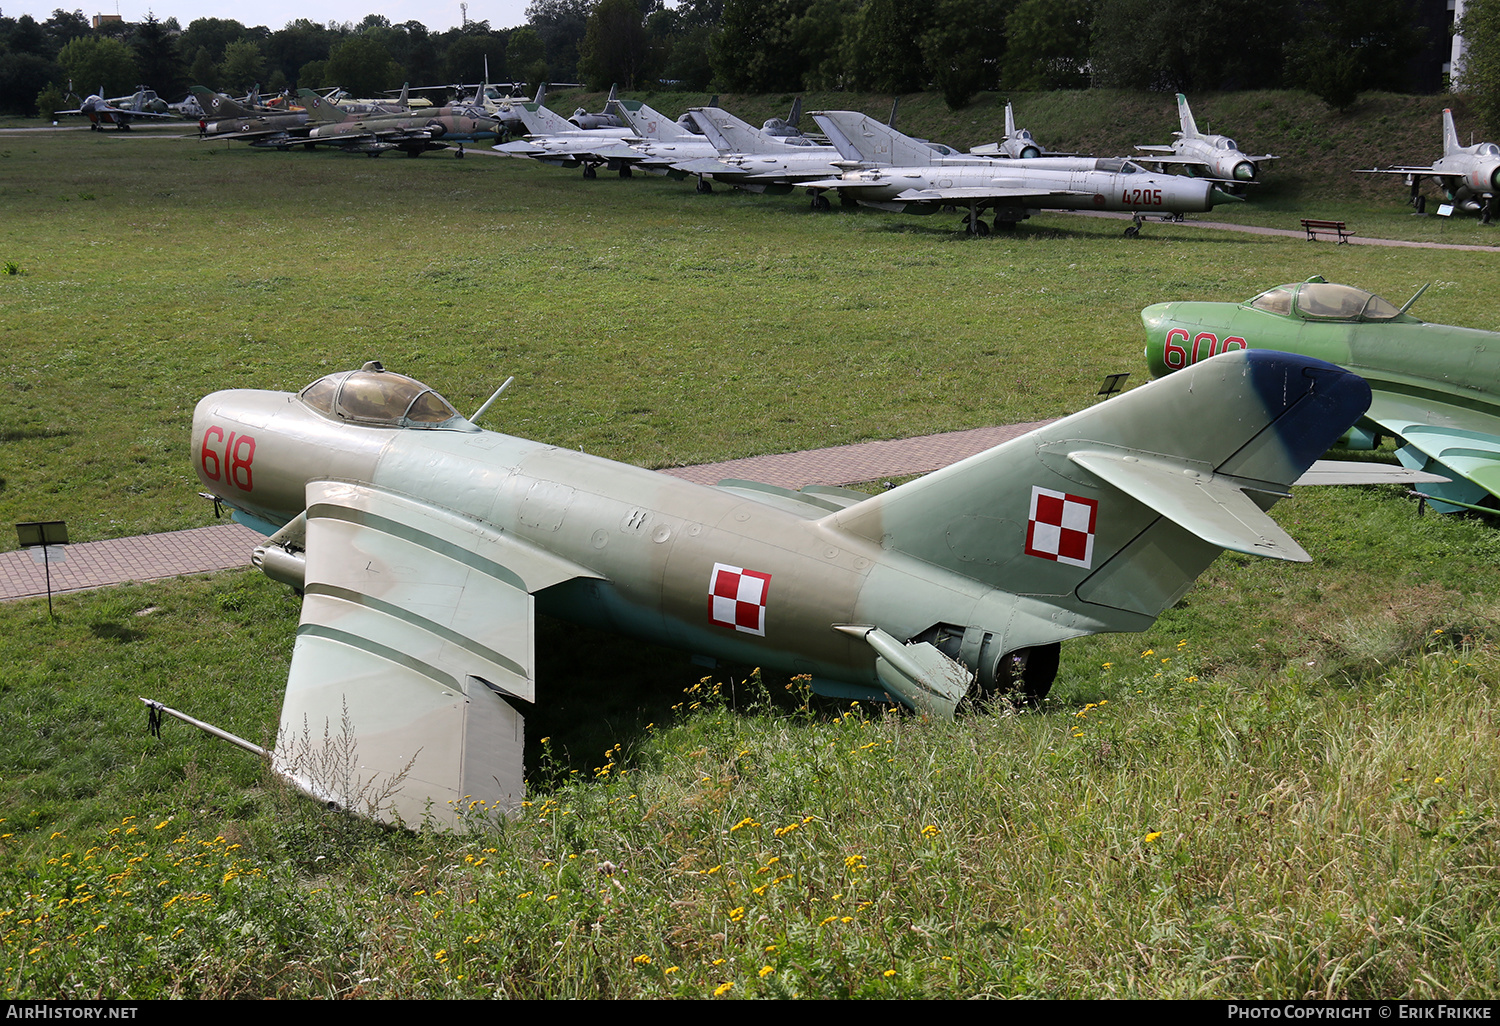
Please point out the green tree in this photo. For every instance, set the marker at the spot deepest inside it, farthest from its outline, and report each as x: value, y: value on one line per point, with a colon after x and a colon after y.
x: 1344, y: 47
x: 363, y: 67
x: 561, y: 24
x: 1189, y: 45
x: 104, y: 64
x: 756, y: 48
x: 883, y: 46
x: 243, y: 65
x: 1047, y: 45
x: 157, y: 57
x: 615, y: 46
x: 526, y: 56
x: 23, y: 76
x: 963, y: 47
x: 204, y: 71
x: 1480, y: 75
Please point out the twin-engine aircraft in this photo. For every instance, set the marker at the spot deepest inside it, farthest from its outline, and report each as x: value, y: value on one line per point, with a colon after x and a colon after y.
x: 424, y: 545
x: 1436, y: 387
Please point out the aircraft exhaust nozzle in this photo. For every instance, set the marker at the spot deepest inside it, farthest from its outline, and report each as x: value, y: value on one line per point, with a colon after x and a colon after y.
x: 1217, y: 196
x: 1244, y: 171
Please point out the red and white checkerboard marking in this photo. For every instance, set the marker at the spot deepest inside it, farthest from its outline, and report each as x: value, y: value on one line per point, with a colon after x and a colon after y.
x: 737, y: 599
x: 1061, y: 527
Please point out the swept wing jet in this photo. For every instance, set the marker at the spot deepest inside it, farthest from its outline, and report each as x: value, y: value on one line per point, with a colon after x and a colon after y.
x: 1206, y: 156
x: 1436, y: 387
x: 1468, y: 175
x: 754, y: 159
x: 412, y: 133
x: 121, y: 111
x: 606, y: 118
x: 917, y: 182
x: 424, y: 545
x: 226, y: 118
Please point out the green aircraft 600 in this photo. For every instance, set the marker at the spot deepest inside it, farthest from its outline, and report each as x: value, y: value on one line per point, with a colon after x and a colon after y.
x: 1436, y: 387
x: 424, y: 544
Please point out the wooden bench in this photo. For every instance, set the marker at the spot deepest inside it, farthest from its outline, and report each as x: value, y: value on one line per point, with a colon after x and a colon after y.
x: 1314, y: 228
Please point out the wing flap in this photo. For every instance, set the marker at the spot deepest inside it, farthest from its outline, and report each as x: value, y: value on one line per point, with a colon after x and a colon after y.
x: 1211, y: 506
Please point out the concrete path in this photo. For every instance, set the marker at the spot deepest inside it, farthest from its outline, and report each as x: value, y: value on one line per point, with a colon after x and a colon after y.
x: 1286, y: 233
x: 152, y: 557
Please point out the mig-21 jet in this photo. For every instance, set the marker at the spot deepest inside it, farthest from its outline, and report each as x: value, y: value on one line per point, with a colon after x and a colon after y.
x: 424, y: 545
x: 915, y: 180
x: 755, y: 159
x: 1018, y: 143
x: 1469, y: 175
x: 1205, y: 156
x: 553, y: 140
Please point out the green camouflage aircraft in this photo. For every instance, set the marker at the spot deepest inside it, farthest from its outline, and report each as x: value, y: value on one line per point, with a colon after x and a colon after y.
x: 424, y: 545
x: 1436, y: 387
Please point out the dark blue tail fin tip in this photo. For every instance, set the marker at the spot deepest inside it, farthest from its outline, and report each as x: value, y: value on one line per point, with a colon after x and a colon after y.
x: 1310, y: 402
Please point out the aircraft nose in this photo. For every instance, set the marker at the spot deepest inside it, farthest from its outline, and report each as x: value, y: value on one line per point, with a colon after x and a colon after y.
x: 1217, y: 196
x: 1155, y: 315
x: 1244, y: 171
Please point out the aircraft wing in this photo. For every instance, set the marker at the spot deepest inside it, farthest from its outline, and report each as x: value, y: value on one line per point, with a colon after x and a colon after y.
x: 978, y: 192
x: 416, y: 638
x: 1154, y: 149
x: 1399, y: 169
x: 1462, y: 440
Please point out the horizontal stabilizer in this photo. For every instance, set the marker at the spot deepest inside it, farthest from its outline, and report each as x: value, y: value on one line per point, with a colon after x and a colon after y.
x: 1359, y: 472
x: 1209, y: 505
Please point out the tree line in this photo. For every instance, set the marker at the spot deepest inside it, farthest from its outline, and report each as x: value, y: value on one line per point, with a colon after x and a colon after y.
x: 1332, y: 48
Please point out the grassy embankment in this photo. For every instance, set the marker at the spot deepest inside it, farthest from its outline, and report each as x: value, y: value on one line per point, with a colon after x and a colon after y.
x: 1287, y: 788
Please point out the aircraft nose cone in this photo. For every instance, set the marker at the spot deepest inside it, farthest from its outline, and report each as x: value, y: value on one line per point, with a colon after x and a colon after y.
x: 1217, y: 196
x: 1244, y: 172
x: 1030, y: 152
x: 1155, y: 314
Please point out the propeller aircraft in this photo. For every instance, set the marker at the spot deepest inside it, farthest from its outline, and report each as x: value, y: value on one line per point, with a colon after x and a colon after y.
x: 1436, y: 387
x: 424, y: 545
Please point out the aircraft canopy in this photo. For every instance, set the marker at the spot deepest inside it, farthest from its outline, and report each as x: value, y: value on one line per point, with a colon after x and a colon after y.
x: 1325, y: 301
x: 378, y: 397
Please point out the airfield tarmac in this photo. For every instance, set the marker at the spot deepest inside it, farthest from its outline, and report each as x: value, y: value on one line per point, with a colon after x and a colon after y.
x: 151, y: 557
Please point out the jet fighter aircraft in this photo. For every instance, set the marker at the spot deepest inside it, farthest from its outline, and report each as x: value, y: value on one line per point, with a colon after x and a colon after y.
x: 231, y: 120
x: 1205, y: 156
x: 1436, y: 387
x: 552, y: 140
x: 1018, y: 143
x: 754, y: 159
x: 920, y: 183
x: 121, y: 111
x: 1469, y: 175
x: 424, y: 545
x: 412, y: 133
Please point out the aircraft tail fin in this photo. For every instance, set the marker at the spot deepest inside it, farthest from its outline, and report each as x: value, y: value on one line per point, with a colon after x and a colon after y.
x: 1451, y: 144
x: 1010, y: 120
x: 795, y: 114
x: 1115, y: 511
x: 728, y: 133
x: 860, y: 137
x: 650, y: 124
x: 320, y: 109
x: 1185, y: 115
x: 404, y: 100
x: 541, y: 94
x: 543, y: 121
x: 217, y: 105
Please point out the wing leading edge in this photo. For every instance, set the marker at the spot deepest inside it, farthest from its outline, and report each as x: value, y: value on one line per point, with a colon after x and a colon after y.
x: 416, y: 637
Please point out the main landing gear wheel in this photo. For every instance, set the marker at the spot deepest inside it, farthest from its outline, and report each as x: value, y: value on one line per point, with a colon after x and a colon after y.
x: 704, y: 185
x: 1025, y: 674
x: 1135, y: 227
x: 820, y: 203
x: 590, y: 172
x: 976, y: 226
x: 625, y: 172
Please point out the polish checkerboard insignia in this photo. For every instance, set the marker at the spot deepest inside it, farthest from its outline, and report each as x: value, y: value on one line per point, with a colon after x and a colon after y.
x: 737, y: 599
x: 1061, y: 527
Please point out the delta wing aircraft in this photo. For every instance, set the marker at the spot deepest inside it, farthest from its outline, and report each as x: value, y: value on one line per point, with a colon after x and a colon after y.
x: 1018, y: 143
x: 1436, y: 387
x: 424, y: 545
x: 1468, y: 175
x: 664, y: 143
x: 753, y: 159
x: 1206, y: 156
x: 553, y: 140
x: 231, y: 120
x: 917, y: 182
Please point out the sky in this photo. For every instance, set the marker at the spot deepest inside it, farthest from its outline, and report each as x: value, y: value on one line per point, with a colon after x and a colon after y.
x: 437, y: 15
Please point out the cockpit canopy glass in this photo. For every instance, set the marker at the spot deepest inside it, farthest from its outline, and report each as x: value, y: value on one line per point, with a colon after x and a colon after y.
x: 1325, y: 301
x: 1488, y: 150
x: 1118, y: 166
x: 1228, y: 144
x: 379, y: 398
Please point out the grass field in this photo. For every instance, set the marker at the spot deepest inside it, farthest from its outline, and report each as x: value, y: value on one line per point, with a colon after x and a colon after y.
x: 1288, y: 788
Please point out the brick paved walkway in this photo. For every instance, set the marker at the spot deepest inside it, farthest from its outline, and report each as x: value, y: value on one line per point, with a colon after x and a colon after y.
x: 151, y: 557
